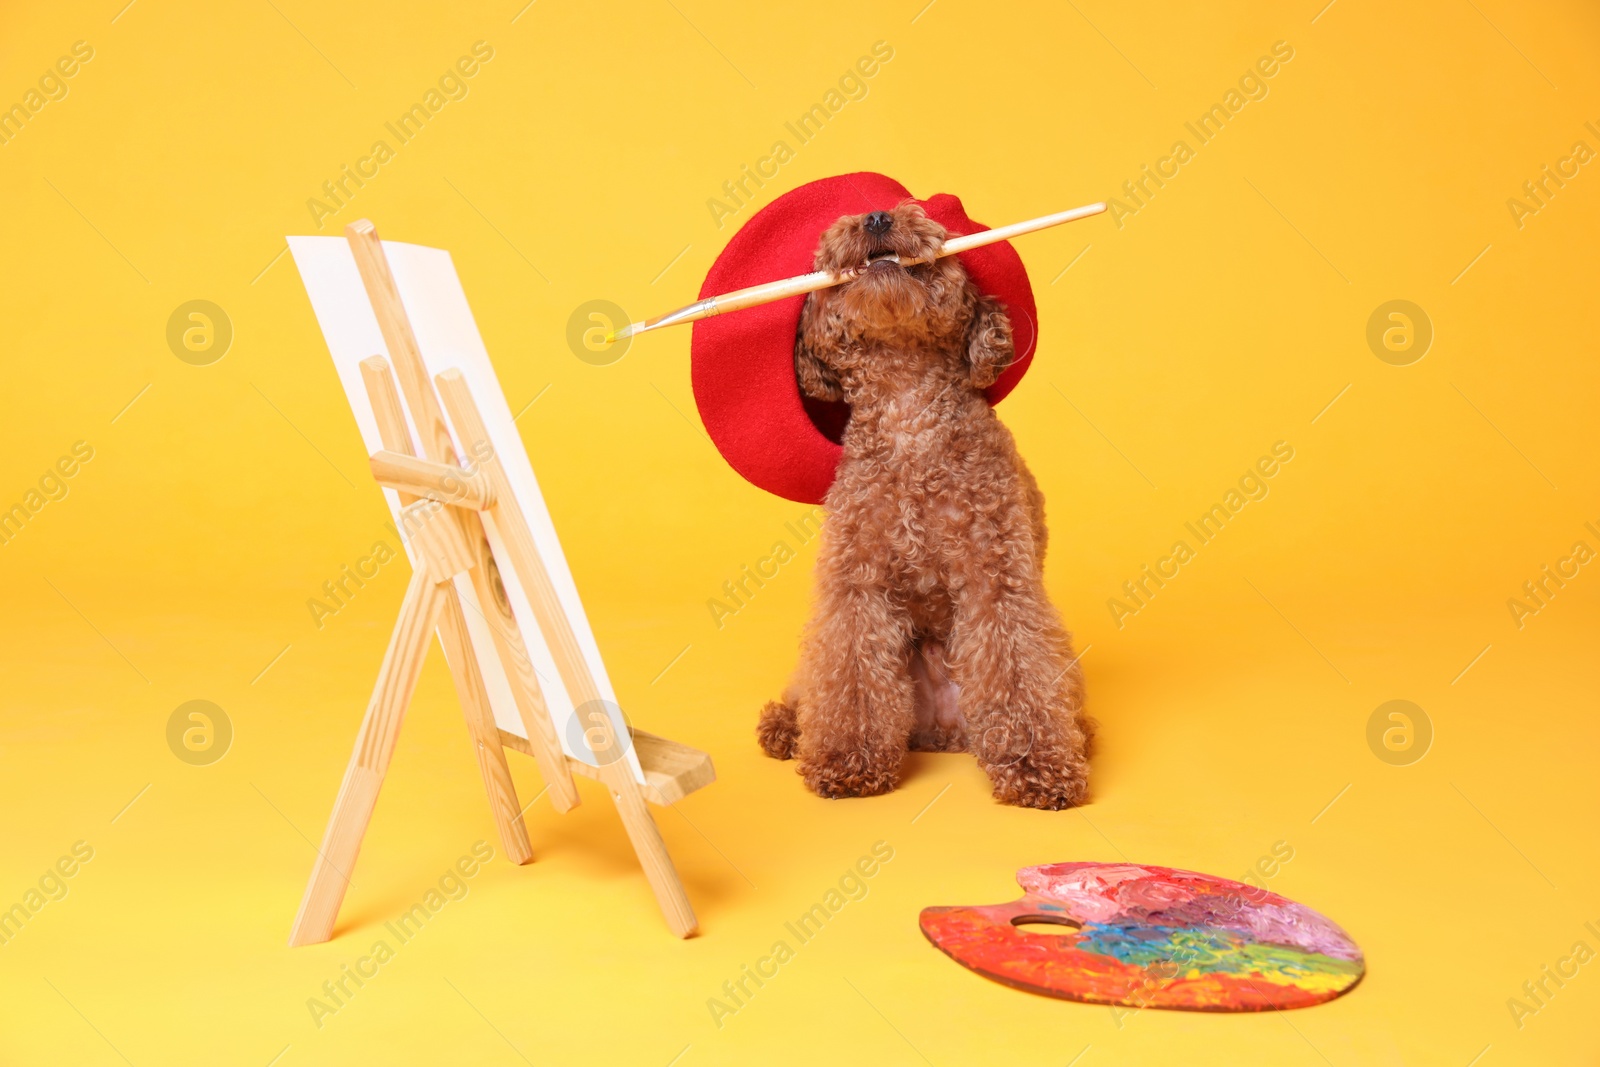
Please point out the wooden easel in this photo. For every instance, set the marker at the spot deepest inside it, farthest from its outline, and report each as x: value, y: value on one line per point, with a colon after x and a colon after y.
x: 441, y: 517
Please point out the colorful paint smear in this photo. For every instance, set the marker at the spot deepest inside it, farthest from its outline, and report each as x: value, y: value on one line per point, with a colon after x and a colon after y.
x: 1152, y: 937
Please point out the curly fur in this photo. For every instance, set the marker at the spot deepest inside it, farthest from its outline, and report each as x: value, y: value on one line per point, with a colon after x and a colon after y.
x: 930, y: 627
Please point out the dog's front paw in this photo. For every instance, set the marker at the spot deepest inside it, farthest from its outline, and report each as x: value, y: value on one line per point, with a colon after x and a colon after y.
x: 840, y: 777
x: 1029, y: 785
x: 778, y: 732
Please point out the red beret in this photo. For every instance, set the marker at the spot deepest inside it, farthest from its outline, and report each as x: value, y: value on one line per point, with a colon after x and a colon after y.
x: 742, y: 363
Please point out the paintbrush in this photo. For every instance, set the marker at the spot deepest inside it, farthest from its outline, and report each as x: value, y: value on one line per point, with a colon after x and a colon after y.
x: 767, y: 292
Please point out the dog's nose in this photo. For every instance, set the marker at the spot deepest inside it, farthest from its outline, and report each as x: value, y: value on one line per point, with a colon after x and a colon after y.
x: 878, y: 223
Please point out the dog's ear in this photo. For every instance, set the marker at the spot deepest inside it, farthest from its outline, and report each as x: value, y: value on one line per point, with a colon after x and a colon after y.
x: 989, y: 347
x: 820, y: 332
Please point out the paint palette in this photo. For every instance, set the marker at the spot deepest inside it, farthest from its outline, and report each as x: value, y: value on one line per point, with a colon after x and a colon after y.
x: 1151, y: 937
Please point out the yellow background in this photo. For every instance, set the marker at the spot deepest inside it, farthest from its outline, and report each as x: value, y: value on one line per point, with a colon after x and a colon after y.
x: 1223, y: 317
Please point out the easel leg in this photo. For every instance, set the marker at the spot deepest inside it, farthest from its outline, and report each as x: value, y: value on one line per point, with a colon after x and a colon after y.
x: 485, y: 734
x: 358, y: 794
x: 652, y: 851
x: 557, y: 630
x: 525, y: 689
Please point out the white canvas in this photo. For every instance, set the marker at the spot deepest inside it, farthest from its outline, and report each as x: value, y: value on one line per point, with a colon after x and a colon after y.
x: 448, y: 337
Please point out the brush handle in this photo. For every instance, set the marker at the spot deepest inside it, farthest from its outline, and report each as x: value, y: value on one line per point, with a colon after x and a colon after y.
x: 767, y: 292
x: 1016, y: 229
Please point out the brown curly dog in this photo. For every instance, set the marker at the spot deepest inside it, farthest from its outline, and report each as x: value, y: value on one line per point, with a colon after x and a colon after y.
x: 931, y: 628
